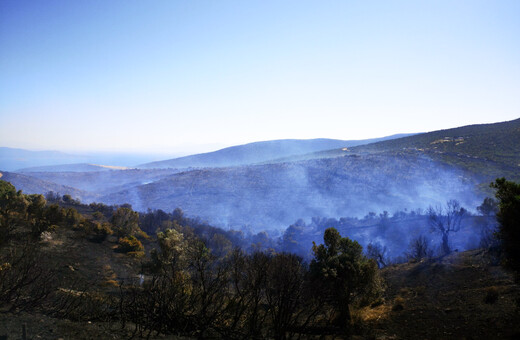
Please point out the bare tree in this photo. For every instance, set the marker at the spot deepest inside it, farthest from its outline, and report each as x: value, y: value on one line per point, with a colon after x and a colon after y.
x: 419, y: 249
x: 377, y: 252
x: 446, y: 220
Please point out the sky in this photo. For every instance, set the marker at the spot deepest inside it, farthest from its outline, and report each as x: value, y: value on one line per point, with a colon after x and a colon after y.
x: 192, y: 76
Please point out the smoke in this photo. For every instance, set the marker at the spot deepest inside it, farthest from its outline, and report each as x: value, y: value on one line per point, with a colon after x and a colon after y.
x: 273, y: 196
x: 395, y: 233
x: 322, y: 191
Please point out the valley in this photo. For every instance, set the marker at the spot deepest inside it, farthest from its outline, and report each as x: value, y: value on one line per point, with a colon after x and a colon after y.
x: 272, y: 184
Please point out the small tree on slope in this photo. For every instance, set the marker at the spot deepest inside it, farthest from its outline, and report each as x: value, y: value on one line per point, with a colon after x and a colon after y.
x: 446, y: 220
x: 343, y: 275
x: 508, y: 216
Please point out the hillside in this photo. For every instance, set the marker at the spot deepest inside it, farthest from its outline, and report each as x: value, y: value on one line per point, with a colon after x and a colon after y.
x: 89, y: 271
x: 492, y: 150
x: 405, y: 173
x: 461, y: 296
x: 258, y: 152
x: 276, y: 195
x: 13, y: 159
x: 31, y: 185
x: 102, y: 182
x: 78, y: 167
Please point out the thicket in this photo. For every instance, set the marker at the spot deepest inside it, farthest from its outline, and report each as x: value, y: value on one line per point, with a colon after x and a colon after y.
x: 508, y: 216
x: 190, y: 291
x: 195, y: 282
x: 201, y: 281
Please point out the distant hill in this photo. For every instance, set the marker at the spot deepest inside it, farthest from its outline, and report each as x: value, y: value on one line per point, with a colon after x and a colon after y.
x: 13, y: 159
x: 499, y: 142
x: 259, y: 152
x: 351, y: 180
x: 485, y: 149
x: 276, y: 195
x: 79, y: 167
x: 102, y: 182
x: 31, y: 185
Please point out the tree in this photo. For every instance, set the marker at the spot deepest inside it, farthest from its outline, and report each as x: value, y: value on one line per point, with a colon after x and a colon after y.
x: 37, y: 214
x: 508, y: 216
x: 72, y: 218
x: 291, y: 236
x: 130, y: 244
x: 285, y: 281
x: 488, y: 224
x: 446, y: 220
x: 342, y: 274
x: 378, y: 252
x: 171, y: 255
x: 126, y: 222
x: 489, y: 207
x: 419, y: 249
x: 13, y: 208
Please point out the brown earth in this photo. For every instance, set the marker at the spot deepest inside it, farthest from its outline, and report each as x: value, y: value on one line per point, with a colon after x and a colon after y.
x: 461, y: 296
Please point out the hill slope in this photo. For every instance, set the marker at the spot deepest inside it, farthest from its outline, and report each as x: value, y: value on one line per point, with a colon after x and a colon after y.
x: 258, y: 152
x: 31, y: 185
x: 276, y: 195
x: 461, y: 296
x: 486, y: 149
x: 102, y: 182
x: 13, y: 159
x: 78, y: 167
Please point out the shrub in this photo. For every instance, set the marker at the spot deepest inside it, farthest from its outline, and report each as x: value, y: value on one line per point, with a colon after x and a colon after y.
x: 508, y: 216
x: 343, y: 275
x: 129, y: 244
x: 419, y: 249
x: 100, y: 231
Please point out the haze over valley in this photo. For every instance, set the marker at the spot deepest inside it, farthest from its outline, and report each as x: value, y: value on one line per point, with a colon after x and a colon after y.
x: 270, y: 185
x: 273, y: 170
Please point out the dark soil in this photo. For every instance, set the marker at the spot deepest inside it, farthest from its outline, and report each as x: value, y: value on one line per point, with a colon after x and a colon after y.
x: 461, y: 296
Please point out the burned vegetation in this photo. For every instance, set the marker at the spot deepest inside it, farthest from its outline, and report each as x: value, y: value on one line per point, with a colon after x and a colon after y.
x: 96, y: 271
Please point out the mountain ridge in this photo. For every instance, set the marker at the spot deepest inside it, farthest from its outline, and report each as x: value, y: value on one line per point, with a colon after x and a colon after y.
x: 258, y: 152
x: 491, y: 149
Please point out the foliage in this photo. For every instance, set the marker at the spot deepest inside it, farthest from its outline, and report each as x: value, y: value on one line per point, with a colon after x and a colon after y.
x: 171, y: 255
x: 13, y: 208
x: 343, y: 275
x: 125, y: 222
x: 489, y: 207
x: 98, y: 232
x: 129, y: 244
x: 508, y: 216
x: 72, y: 218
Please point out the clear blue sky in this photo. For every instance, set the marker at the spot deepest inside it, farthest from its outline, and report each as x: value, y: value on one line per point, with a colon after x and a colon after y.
x: 171, y: 75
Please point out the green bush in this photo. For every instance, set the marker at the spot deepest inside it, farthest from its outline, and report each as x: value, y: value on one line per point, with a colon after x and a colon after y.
x: 99, y: 231
x: 508, y: 216
x: 129, y: 244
